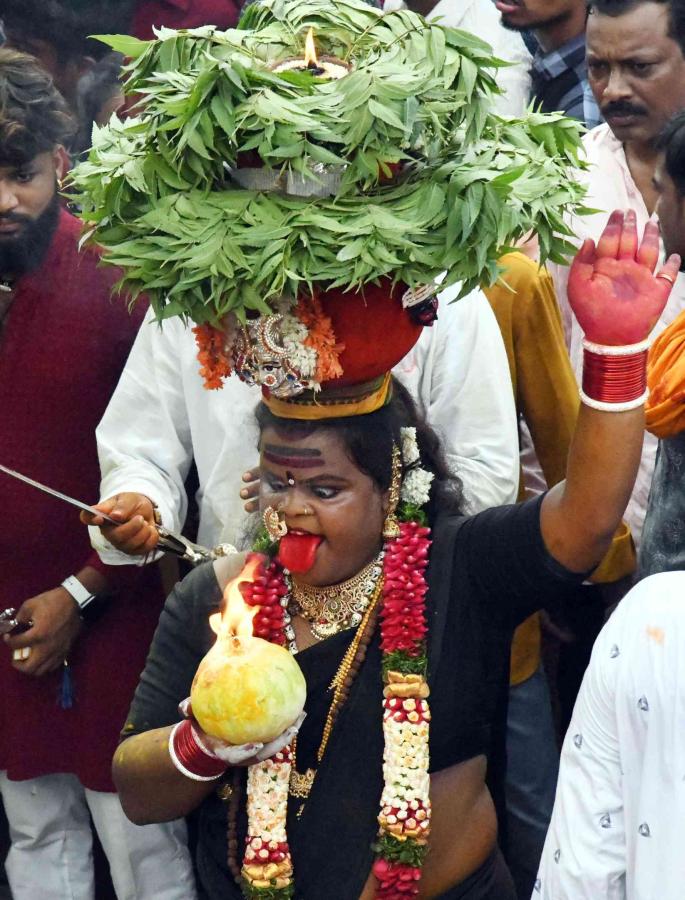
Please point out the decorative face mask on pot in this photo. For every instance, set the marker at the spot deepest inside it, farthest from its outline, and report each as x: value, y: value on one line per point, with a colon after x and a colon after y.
x: 261, y: 358
x: 334, y: 512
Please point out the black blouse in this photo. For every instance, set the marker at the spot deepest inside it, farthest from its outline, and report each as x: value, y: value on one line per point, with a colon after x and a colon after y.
x: 487, y: 574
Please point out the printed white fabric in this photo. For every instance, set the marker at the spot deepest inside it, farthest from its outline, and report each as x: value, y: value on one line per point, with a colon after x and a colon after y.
x: 160, y: 415
x: 611, y: 186
x: 619, y: 815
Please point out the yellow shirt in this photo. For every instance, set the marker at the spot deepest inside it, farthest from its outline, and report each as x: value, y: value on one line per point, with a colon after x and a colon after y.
x: 546, y: 395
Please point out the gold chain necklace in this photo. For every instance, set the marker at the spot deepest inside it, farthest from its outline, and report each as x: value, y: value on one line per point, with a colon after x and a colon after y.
x: 301, y: 782
x: 329, y: 610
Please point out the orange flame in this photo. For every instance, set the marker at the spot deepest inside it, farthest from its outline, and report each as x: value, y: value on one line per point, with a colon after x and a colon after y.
x: 310, y: 57
x: 235, y: 616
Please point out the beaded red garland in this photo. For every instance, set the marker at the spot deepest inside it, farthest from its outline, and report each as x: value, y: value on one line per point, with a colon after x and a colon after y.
x: 403, y: 631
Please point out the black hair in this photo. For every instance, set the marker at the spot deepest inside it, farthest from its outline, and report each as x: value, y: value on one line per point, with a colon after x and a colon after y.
x: 671, y: 142
x: 369, y: 441
x: 34, y: 117
x: 95, y: 88
x: 676, y: 11
x: 64, y: 25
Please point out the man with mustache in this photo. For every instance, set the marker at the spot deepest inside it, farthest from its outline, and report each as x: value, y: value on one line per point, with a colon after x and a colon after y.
x: 636, y: 70
x: 66, y: 679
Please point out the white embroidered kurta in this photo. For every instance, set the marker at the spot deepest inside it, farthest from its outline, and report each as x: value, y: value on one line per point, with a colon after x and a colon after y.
x: 617, y: 831
x: 611, y: 186
x: 160, y: 416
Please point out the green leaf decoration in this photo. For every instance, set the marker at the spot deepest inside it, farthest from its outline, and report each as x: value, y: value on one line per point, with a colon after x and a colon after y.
x: 409, y: 173
x: 409, y: 851
x: 123, y: 43
x: 262, y: 543
x: 270, y: 893
x: 410, y: 512
x: 400, y: 661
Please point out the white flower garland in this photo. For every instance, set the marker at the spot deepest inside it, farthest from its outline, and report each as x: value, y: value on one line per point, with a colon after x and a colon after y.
x: 417, y: 481
x: 267, y: 861
x: 405, y: 804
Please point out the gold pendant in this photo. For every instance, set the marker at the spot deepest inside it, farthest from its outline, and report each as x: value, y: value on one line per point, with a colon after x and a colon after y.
x: 301, y: 784
x: 225, y: 791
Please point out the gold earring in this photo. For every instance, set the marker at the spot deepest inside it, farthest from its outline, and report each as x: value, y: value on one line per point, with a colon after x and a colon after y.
x: 274, y: 522
x: 391, y: 527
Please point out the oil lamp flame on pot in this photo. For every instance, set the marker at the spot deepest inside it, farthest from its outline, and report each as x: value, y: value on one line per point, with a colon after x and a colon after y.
x: 329, y: 68
x: 310, y: 57
x: 246, y: 690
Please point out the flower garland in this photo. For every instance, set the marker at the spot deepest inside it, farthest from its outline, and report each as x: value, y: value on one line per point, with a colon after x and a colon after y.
x: 267, y: 871
x: 211, y: 354
x: 405, y: 803
x: 320, y: 338
x: 405, y: 812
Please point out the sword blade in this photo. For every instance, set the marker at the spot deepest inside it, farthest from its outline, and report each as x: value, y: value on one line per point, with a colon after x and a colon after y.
x: 53, y: 493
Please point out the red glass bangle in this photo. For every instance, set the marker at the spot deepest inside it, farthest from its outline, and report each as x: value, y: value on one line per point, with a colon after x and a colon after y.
x: 190, y: 757
x: 614, y: 377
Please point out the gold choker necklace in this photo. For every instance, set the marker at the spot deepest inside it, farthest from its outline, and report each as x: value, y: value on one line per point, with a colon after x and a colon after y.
x: 334, y: 608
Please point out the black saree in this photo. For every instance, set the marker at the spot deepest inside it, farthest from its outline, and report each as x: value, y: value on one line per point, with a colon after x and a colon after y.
x: 486, y: 574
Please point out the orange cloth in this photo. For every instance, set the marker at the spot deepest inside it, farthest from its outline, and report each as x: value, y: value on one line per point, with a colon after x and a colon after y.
x: 546, y: 396
x: 665, y: 409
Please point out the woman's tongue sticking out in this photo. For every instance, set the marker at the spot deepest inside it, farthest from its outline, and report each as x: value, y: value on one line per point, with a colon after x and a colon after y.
x: 334, y: 512
x: 297, y: 551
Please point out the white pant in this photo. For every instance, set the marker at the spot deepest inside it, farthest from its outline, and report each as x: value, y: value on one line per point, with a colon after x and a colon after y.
x: 51, y: 856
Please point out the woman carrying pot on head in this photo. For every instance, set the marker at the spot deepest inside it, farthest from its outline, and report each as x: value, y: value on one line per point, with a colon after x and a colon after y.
x: 400, y: 611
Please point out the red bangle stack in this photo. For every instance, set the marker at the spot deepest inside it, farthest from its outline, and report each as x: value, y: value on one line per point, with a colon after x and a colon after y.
x: 190, y: 757
x: 614, y: 378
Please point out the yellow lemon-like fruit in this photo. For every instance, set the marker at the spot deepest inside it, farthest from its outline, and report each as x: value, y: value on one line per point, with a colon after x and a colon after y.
x: 247, y: 690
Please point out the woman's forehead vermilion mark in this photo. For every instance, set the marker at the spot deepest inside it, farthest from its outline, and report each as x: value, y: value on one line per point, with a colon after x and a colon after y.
x: 293, y: 457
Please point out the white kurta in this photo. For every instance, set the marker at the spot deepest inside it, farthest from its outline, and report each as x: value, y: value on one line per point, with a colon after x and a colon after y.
x: 611, y: 186
x: 619, y: 815
x: 160, y: 416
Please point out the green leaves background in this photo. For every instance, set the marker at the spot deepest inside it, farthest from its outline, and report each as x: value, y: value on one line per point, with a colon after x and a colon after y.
x: 157, y: 193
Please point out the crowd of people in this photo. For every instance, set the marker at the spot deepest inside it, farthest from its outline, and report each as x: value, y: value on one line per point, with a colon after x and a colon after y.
x: 555, y: 576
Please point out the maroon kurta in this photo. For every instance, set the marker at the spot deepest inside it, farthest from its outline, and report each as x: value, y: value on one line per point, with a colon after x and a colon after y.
x: 182, y: 14
x: 62, y: 348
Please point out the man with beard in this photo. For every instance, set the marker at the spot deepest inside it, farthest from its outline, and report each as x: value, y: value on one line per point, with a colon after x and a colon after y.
x: 559, y: 70
x: 65, y: 679
x: 619, y: 809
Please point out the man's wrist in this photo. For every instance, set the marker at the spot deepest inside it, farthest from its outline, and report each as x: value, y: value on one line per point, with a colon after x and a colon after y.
x: 82, y: 596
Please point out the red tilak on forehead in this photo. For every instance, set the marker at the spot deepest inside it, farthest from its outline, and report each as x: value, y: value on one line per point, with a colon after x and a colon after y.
x: 293, y: 457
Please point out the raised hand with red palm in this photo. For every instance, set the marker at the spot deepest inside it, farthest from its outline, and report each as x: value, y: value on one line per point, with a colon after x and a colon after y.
x: 612, y: 289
